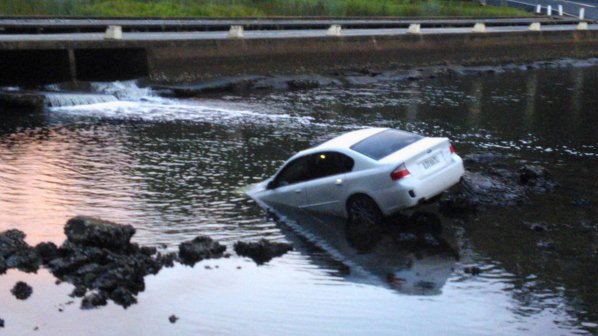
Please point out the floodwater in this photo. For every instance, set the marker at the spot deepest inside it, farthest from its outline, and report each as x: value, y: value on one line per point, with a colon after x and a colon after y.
x: 177, y: 168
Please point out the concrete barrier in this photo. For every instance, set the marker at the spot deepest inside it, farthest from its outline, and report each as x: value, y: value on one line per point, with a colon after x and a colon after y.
x: 114, y: 33
x: 334, y: 30
x: 582, y: 26
x: 479, y: 28
x: 536, y: 26
x: 235, y: 32
x: 414, y: 28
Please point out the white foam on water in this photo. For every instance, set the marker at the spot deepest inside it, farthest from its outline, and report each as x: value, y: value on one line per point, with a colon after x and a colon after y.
x: 161, y: 109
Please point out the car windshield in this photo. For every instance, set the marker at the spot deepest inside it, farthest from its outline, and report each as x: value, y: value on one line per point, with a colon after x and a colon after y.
x: 385, y: 143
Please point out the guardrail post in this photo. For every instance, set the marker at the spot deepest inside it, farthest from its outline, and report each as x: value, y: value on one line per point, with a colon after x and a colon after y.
x: 538, y: 9
x: 235, y: 32
x: 560, y: 10
x: 582, y: 12
x: 549, y: 10
x: 334, y: 30
x: 479, y: 28
x: 535, y: 26
x: 582, y: 26
x: 114, y: 33
x: 414, y: 28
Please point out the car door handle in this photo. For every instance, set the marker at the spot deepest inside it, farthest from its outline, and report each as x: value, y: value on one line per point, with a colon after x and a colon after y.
x: 298, y: 191
x: 338, y: 182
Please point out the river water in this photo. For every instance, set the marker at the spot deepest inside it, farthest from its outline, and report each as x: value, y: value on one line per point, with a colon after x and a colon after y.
x: 177, y: 168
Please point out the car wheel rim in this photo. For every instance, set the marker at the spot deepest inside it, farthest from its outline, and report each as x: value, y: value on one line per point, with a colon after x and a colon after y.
x: 362, y: 211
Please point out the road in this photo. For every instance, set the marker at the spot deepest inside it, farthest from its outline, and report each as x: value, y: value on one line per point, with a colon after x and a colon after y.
x: 570, y: 7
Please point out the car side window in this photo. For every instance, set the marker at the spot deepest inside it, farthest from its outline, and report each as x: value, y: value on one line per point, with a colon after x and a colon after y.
x: 314, y: 166
x: 331, y: 163
x: 296, y: 171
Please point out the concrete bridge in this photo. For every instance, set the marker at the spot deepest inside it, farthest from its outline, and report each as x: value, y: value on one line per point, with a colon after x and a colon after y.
x: 198, y: 55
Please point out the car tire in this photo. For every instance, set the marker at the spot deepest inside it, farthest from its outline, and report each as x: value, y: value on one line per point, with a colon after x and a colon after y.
x: 364, y: 211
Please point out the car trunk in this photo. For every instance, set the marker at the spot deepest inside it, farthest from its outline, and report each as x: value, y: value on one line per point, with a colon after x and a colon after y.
x: 422, y: 158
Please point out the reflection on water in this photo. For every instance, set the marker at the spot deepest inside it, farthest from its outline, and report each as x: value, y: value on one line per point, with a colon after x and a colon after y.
x: 178, y: 168
x: 410, y: 258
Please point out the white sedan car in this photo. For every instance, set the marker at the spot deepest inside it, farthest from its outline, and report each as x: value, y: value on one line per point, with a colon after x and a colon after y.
x: 364, y: 175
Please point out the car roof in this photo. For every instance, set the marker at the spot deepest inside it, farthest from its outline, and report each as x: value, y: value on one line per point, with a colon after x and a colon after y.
x: 349, y: 139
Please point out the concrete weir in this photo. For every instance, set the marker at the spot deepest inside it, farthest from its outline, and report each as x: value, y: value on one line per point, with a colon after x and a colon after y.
x: 176, y: 58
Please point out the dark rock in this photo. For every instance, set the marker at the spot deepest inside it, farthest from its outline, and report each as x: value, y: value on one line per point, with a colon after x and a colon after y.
x: 98, y: 256
x: 581, y: 202
x: 2, y: 265
x: 261, y: 251
x: 536, y: 178
x: 473, y: 270
x: 123, y: 297
x: 21, y: 290
x: 17, y: 253
x: 91, y: 231
x: 545, y: 245
x: 78, y: 291
x: 480, y: 190
x: 201, y: 247
x: 47, y: 251
x: 173, y: 318
x: 536, y: 227
x: 1, y: 323
x: 483, y: 158
x: 94, y: 300
x: 166, y: 260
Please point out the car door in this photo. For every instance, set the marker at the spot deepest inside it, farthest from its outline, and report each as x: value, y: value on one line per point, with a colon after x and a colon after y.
x: 327, y: 189
x: 288, y: 185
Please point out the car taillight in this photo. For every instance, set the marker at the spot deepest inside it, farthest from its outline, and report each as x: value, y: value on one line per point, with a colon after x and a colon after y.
x: 452, y: 149
x: 399, y: 172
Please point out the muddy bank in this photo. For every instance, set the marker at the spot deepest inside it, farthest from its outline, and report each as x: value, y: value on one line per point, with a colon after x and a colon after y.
x: 351, y: 77
x: 99, y: 259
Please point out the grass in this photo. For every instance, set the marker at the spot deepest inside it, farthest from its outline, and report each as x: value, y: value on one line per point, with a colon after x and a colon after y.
x: 255, y: 8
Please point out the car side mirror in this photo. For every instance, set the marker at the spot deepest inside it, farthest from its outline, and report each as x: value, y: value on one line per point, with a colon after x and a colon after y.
x: 272, y: 185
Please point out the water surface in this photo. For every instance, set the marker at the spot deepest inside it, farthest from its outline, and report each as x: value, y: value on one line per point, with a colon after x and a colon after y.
x: 177, y: 168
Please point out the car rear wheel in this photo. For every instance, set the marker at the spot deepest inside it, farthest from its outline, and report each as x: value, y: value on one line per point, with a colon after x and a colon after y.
x: 364, y: 211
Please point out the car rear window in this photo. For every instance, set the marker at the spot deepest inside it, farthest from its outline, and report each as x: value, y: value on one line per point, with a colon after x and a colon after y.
x: 385, y: 143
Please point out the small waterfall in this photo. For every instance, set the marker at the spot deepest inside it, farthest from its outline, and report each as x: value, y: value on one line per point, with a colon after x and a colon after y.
x: 60, y: 99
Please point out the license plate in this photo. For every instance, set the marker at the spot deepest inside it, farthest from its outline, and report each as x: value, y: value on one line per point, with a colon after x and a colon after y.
x: 430, y: 162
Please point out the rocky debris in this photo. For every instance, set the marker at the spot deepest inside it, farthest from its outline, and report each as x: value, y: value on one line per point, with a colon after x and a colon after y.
x: 21, y: 290
x: 47, y: 251
x: 479, y: 190
x: 489, y: 182
x: 94, y: 300
x: 473, y: 270
x: 173, y: 318
x: 99, y: 256
x: 261, y: 251
x: 198, y: 249
x: 88, y: 231
x: 99, y: 259
x: 17, y: 253
x: 536, y: 178
x: 536, y: 227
